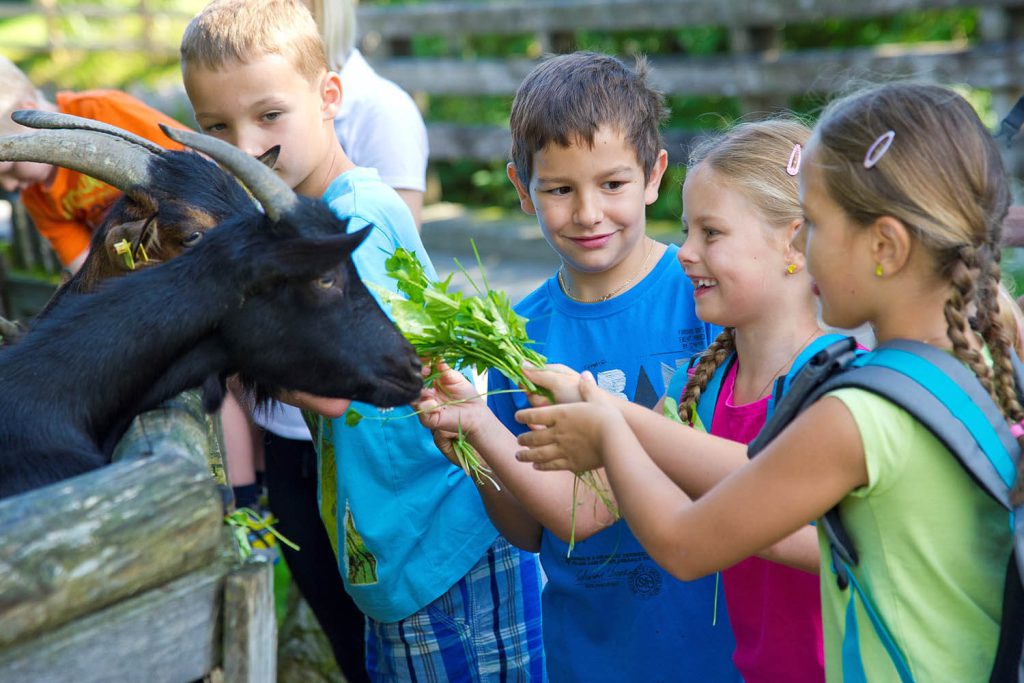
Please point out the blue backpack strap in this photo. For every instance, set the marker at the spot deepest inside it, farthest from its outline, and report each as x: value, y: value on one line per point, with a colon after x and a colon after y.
x: 709, y: 397
x: 679, y: 378
x: 801, y: 391
x: 783, y: 383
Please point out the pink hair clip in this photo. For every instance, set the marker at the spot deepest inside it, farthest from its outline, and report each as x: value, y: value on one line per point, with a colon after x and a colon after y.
x: 793, y: 167
x: 878, y: 148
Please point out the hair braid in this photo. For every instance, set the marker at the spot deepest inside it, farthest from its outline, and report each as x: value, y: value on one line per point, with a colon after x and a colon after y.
x: 710, y: 360
x: 997, y: 338
x: 962, y: 278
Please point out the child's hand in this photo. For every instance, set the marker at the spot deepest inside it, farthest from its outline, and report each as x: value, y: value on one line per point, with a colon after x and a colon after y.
x: 443, y: 440
x: 562, y: 381
x: 570, y: 437
x: 450, y: 401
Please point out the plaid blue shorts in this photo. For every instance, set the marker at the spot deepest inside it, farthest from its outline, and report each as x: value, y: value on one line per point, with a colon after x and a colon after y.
x: 487, y: 627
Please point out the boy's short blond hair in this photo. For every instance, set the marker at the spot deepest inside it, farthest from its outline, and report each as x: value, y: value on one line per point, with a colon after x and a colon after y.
x: 241, y: 31
x: 15, y: 87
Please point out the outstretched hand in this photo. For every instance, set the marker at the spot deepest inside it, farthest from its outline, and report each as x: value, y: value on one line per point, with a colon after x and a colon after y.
x: 570, y: 436
x: 451, y: 400
x: 562, y: 381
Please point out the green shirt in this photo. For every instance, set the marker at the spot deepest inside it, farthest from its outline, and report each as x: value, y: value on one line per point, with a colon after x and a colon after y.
x: 933, y: 550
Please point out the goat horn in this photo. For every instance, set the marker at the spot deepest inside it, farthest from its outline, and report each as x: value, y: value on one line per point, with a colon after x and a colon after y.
x: 101, y: 156
x: 269, y: 190
x: 37, y: 118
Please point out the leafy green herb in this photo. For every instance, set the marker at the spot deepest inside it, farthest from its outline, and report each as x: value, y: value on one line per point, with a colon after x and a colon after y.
x: 480, y: 331
x: 470, y: 460
x: 245, y: 519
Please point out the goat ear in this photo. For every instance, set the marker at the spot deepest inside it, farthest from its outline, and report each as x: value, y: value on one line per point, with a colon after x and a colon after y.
x: 309, y: 257
x: 269, y: 158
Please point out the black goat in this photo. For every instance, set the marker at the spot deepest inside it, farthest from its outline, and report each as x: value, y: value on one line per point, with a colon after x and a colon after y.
x: 158, y: 220
x: 272, y: 296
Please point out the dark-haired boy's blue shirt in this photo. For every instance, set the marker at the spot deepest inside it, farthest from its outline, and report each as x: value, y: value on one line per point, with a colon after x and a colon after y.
x: 610, y: 612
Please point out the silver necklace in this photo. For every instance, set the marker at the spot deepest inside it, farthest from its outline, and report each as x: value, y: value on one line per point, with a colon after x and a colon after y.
x: 782, y: 367
x: 609, y: 295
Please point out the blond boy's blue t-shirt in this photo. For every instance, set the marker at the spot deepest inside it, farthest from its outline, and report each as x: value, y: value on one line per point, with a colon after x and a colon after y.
x: 406, y: 523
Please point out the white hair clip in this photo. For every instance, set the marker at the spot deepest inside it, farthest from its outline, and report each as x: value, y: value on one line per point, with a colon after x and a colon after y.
x: 878, y: 148
x: 793, y: 167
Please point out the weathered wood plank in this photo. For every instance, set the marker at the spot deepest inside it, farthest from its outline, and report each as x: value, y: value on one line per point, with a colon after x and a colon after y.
x: 170, y: 633
x: 250, y: 626
x: 544, y: 16
x: 85, y: 543
x: 450, y: 141
x: 983, y: 66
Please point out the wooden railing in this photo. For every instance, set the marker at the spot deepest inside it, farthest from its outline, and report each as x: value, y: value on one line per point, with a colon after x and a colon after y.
x: 128, y: 573
x: 757, y: 68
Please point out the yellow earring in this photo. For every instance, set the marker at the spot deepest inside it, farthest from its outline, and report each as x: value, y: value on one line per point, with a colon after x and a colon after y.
x: 791, y: 268
x: 878, y: 270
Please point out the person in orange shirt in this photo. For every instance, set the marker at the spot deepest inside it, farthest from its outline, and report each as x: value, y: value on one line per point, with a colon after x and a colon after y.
x: 67, y: 206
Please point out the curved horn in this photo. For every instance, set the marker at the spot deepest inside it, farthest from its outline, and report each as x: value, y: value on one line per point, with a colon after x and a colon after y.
x: 101, y: 156
x: 37, y: 118
x: 269, y: 190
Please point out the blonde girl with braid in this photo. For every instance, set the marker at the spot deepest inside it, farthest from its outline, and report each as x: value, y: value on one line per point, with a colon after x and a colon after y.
x: 741, y: 213
x: 903, y: 193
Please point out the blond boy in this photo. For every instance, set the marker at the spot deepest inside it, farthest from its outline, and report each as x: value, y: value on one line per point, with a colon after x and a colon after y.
x: 413, y: 543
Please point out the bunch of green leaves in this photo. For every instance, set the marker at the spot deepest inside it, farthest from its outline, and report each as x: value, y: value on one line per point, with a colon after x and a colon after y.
x: 244, y: 520
x: 479, y: 331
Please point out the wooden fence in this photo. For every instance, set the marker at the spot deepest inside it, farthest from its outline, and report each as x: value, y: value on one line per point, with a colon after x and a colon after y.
x: 128, y: 574
x: 758, y: 69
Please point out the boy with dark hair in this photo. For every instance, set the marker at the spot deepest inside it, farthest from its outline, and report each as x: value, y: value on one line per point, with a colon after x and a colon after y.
x: 587, y: 161
x: 445, y: 597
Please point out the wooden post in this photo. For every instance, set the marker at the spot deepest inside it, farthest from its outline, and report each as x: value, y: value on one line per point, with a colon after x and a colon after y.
x: 749, y: 42
x: 250, y: 625
x: 54, y: 39
x: 1001, y: 25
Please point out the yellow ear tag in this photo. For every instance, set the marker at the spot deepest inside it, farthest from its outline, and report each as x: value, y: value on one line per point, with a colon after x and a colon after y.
x: 124, y: 249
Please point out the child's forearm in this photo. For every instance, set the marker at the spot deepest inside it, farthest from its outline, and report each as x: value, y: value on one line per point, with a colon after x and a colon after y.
x: 799, y: 550
x: 543, y: 497
x: 328, y: 407
x: 694, y: 460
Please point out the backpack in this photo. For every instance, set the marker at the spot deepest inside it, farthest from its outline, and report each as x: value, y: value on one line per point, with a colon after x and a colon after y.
x: 709, y: 397
x: 947, y: 398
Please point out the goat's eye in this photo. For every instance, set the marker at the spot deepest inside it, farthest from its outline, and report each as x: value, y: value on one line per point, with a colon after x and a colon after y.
x: 325, y: 282
x: 193, y: 238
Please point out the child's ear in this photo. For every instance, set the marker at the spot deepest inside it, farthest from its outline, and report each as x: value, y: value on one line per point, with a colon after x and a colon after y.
x: 795, y: 243
x: 330, y: 95
x: 525, y: 202
x: 891, y: 243
x: 654, y: 181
